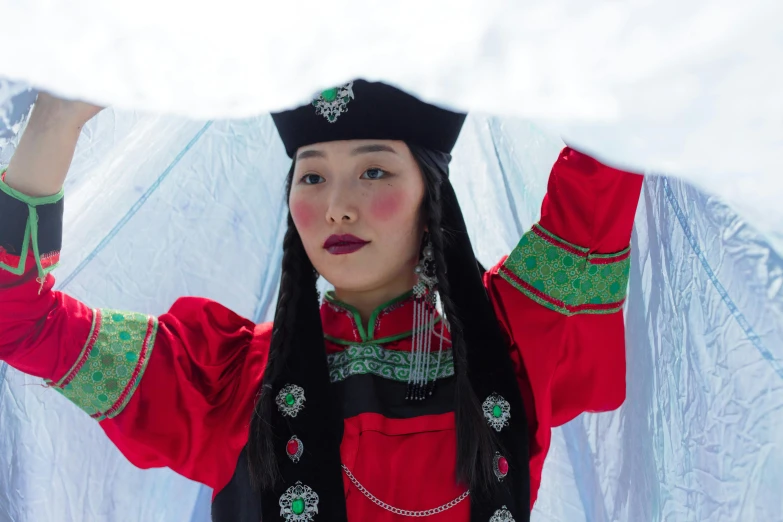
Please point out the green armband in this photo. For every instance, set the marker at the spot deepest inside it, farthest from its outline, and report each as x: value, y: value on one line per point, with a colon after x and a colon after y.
x: 567, y: 278
x: 111, y: 364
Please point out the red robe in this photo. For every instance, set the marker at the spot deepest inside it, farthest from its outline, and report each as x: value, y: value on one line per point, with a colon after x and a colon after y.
x: 178, y: 390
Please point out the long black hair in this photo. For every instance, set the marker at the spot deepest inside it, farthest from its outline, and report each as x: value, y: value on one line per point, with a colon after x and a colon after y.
x: 298, y: 333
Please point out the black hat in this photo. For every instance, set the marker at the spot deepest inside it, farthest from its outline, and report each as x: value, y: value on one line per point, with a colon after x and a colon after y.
x: 368, y: 110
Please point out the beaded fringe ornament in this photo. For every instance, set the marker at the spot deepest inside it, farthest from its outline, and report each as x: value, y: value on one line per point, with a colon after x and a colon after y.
x: 425, y: 307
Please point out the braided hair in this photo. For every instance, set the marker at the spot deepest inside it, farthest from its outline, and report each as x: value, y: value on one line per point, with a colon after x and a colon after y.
x: 466, y: 307
x: 297, y: 305
x: 447, y: 231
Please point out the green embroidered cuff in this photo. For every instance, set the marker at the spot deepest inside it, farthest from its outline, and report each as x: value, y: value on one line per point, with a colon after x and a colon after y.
x: 26, y: 221
x: 389, y: 364
x: 566, y: 277
x: 111, y: 364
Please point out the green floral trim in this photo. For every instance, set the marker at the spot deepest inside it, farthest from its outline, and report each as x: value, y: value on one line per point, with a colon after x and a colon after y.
x: 389, y: 364
x: 88, y: 345
x: 566, y: 277
x: 31, y: 228
x: 112, y: 364
x: 546, y: 233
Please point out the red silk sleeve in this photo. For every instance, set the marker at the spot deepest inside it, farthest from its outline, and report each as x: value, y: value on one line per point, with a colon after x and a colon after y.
x: 41, y: 331
x: 559, y: 297
x: 590, y: 204
x: 191, y: 411
x: 175, y: 391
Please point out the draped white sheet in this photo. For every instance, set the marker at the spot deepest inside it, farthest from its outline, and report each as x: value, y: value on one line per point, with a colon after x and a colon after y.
x: 687, y: 88
x: 159, y: 207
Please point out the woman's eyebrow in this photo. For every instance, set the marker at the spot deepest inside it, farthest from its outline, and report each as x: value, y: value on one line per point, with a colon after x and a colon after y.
x: 310, y: 154
x: 375, y: 147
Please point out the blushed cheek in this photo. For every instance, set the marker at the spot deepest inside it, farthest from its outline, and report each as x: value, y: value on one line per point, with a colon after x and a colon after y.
x: 387, y: 206
x: 304, y: 214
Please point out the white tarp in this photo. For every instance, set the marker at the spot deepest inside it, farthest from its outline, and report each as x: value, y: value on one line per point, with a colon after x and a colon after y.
x: 160, y: 207
x: 687, y: 88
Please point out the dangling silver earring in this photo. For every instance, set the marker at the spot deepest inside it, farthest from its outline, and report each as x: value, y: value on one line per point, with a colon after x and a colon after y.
x: 424, y: 318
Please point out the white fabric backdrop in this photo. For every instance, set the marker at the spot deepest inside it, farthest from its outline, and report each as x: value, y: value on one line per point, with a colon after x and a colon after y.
x: 687, y: 88
x: 159, y: 207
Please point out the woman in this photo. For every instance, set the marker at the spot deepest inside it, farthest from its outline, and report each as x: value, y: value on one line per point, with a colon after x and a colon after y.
x: 371, y: 405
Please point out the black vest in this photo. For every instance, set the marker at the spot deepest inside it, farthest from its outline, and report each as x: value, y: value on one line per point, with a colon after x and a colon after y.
x: 369, y: 393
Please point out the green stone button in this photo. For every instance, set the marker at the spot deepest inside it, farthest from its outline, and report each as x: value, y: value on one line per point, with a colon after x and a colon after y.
x: 289, y: 399
x: 329, y: 95
x: 298, y: 506
x: 496, y: 411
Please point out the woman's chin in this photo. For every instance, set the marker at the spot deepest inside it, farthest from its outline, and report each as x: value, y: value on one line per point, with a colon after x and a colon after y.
x: 352, y: 283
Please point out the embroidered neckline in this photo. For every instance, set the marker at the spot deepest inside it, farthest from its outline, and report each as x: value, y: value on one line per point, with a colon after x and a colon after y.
x: 394, y: 365
x: 389, y: 322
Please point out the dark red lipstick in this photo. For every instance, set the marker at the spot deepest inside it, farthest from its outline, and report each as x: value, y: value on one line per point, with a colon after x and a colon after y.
x: 343, y: 244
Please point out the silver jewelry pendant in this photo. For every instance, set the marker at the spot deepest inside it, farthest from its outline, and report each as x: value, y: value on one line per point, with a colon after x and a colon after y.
x: 497, y: 411
x: 502, y: 515
x: 331, y: 103
x: 299, y: 503
x: 424, y: 318
x: 425, y: 272
x: 290, y: 400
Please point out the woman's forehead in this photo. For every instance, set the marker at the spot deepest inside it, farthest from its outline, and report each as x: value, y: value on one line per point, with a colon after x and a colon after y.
x: 352, y: 148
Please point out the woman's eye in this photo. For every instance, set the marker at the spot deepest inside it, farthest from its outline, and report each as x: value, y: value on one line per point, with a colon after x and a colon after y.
x: 373, y: 174
x: 312, y: 179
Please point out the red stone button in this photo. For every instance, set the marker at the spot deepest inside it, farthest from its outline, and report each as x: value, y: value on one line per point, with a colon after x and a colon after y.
x: 294, y: 449
x: 503, y: 466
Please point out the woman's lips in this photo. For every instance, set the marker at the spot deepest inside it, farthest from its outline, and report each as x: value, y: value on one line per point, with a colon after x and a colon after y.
x: 343, y: 244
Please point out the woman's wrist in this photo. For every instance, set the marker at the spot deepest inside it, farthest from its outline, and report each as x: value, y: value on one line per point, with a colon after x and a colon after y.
x: 69, y: 113
x: 41, y: 161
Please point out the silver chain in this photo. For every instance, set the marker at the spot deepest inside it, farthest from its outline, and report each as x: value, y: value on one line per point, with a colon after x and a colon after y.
x: 403, y: 512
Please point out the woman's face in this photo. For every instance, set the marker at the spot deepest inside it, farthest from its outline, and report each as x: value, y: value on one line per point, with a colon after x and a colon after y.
x: 356, y: 205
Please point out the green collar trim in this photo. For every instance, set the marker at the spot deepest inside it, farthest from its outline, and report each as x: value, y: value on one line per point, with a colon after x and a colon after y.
x: 367, y: 335
x: 382, y: 340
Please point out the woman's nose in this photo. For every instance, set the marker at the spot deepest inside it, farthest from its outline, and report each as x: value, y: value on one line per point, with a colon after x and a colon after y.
x: 341, y: 207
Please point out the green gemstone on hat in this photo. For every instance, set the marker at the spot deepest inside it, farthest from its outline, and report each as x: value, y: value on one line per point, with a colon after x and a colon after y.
x: 497, y: 411
x: 298, y: 506
x: 289, y: 399
x: 329, y: 95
